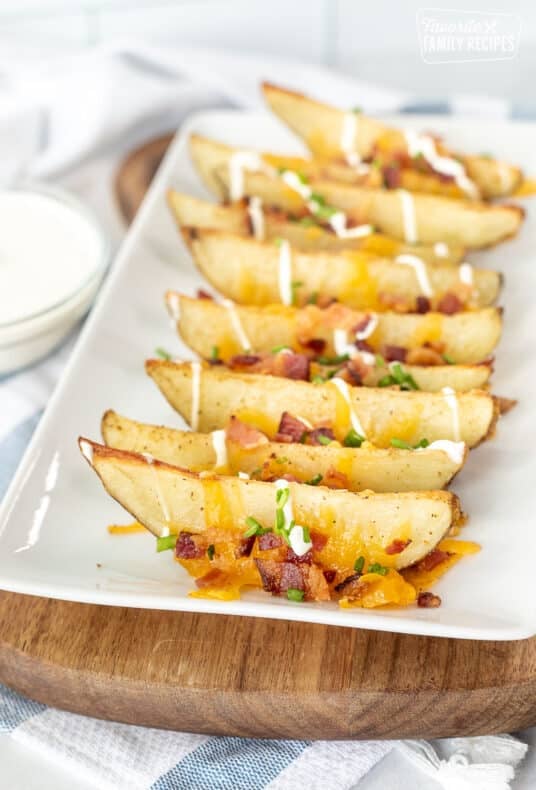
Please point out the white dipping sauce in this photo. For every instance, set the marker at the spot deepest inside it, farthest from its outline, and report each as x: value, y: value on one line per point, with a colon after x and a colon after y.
x: 48, y: 251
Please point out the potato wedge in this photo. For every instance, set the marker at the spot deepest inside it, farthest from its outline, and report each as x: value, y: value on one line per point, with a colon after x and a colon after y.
x: 320, y: 126
x: 205, y: 325
x: 192, y: 212
x: 379, y: 470
x: 260, y: 400
x: 248, y: 271
x: 166, y: 499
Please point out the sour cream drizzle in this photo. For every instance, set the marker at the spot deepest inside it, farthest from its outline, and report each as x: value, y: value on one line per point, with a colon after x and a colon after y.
x: 409, y: 220
x: 219, y: 444
x: 466, y: 274
x: 159, y: 494
x: 342, y: 347
x: 419, y: 267
x: 425, y: 145
x: 285, y: 273
x: 452, y: 402
x: 297, y: 541
x: 342, y: 386
x: 256, y: 216
x: 196, y: 390
x: 441, y: 249
x: 369, y: 328
x: 293, y: 181
x: 236, y: 323
x: 454, y: 450
x: 239, y: 163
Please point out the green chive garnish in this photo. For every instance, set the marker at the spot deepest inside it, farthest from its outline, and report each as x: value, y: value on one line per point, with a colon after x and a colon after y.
x: 295, y: 284
x: 402, y: 445
x: 313, y: 299
x: 448, y: 359
x: 316, y: 480
x: 282, y: 459
x: 359, y: 564
x: 324, y: 439
x: 318, y: 380
x: 357, y: 109
x: 306, y: 534
x: 307, y: 222
x: 380, y: 361
x: 165, y: 543
x: 338, y: 360
x: 398, y: 377
x: 377, y: 568
x: 277, y: 349
x: 353, y: 439
x: 214, y: 352
x: 281, y: 497
x: 211, y: 551
x: 254, y: 528
x: 162, y: 353
x: 295, y: 595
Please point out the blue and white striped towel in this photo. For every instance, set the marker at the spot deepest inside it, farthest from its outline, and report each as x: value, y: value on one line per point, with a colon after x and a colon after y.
x: 89, y: 125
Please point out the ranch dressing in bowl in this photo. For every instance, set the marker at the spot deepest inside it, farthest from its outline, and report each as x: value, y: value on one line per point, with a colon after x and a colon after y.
x: 52, y: 258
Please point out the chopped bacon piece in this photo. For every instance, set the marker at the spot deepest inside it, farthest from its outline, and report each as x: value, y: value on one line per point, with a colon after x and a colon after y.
x: 290, y: 429
x: 395, y: 353
x: 278, y: 577
x: 269, y: 541
x: 300, y: 559
x: 318, y: 540
x: 349, y: 581
x: 329, y: 575
x: 357, y: 369
x: 424, y: 356
x: 316, y: 586
x: 312, y: 437
x: 189, y: 546
x: 397, y: 546
x: 436, y: 557
x: 395, y: 302
x: 391, y: 176
x: 316, y: 344
x: 245, y: 435
x: 423, y: 305
x: 335, y: 479
x: 428, y: 600
x: 437, y: 345
x: 245, y: 547
x: 324, y: 301
x: 294, y: 366
x: 201, y: 294
x: 362, y: 345
x: 243, y: 361
x: 450, y: 304
x: 362, y: 325
x: 215, y: 576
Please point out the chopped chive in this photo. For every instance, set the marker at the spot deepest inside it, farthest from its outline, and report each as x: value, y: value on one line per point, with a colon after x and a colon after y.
x: 214, y: 352
x: 165, y: 543
x: 316, y: 480
x: 313, y: 299
x: 359, y: 564
x: 295, y: 595
x: 318, y: 380
x: 282, y: 460
x: 377, y: 568
x: 422, y: 443
x: 448, y: 359
x: 295, y: 284
x: 254, y: 528
x: 279, y: 521
x: 380, y: 361
x: 162, y: 353
x: 357, y: 109
x: 323, y: 439
x: 338, y: 360
x: 306, y: 534
x: 400, y: 444
x: 278, y: 241
x: 386, y: 381
x: 256, y: 471
x: 211, y: 551
x: 398, y: 377
x: 277, y: 349
x: 353, y: 439
x: 281, y: 497
x: 307, y: 222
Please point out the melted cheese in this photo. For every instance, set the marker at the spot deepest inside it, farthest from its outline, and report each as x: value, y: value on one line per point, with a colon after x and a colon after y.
x: 127, y: 529
x: 236, y: 324
x: 409, y: 219
x: 419, y: 267
x: 256, y: 216
x: 343, y: 389
x: 452, y: 402
x: 285, y: 273
x: 425, y: 145
x: 196, y: 392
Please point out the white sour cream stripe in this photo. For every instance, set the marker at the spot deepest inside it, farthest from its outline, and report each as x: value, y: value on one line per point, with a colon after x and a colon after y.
x: 409, y: 219
x: 293, y: 181
x: 338, y: 222
x: 452, y: 402
x: 348, y: 138
x: 239, y: 163
x: 297, y: 541
x: 342, y: 347
x: 454, y: 450
x: 425, y: 145
x: 196, y: 391
x: 219, y: 443
x: 419, y: 266
x: 159, y: 494
x: 370, y: 327
x: 236, y: 323
x: 441, y: 249
x: 285, y: 273
x: 466, y: 274
x: 342, y: 386
x: 256, y: 216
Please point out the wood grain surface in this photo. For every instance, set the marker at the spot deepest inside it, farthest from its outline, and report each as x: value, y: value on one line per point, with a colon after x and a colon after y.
x: 254, y: 677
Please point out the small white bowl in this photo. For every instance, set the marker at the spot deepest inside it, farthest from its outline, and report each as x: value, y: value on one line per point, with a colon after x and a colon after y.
x: 26, y: 340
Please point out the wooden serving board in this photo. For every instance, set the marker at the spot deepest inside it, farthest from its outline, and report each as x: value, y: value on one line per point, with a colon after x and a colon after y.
x: 255, y: 677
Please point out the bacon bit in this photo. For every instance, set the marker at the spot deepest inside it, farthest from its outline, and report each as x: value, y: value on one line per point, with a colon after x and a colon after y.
x: 329, y: 576
x: 300, y: 559
x: 391, y: 176
x: 201, y: 294
x: 395, y: 353
x: 316, y: 344
x: 395, y: 302
x: 245, y: 435
x: 290, y: 429
x: 278, y: 577
x: 349, y: 580
x: 436, y: 345
x: 397, y: 546
x: 488, y: 362
x: 362, y: 345
x: 316, y: 584
x: 294, y: 366
x: 424, y: 356
x: 245, y: 547
x: 312, y: 437
x: 436, y: 557
x: 357, y: 369
x: 318, y: 540
x: 243, y: 361
x: 428, y: 600
x: 324, y: 301
x: 189, y: 546
x: 335, y: 479
x: 361, y: 325
x: 450, y: 304
x: 423, y: 305
x: 215, y: 576
x: 269, y: 541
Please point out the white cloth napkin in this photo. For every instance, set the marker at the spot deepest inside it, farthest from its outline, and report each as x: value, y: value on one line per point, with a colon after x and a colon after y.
x: 70, y: 120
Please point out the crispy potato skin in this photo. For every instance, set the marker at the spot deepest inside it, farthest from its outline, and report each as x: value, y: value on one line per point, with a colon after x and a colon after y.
x: 384, y: 413
x: 166, y: 498
x: 365, y: 469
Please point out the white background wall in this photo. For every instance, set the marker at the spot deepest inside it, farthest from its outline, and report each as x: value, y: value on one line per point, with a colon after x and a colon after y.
x: 373, y: 39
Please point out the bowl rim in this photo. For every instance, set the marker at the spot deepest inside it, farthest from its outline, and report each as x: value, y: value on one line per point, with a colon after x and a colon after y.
x: 66, y: 198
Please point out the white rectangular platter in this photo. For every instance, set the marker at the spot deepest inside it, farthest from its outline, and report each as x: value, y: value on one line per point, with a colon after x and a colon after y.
x: 53, y: 536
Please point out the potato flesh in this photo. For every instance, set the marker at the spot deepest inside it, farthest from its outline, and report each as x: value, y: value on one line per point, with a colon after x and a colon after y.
x: 165, y: 498
x: 366, y: 468
x: 384, y: 413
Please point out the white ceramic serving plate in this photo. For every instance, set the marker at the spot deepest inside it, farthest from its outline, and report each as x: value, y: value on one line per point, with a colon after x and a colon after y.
x: 53, y: 536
